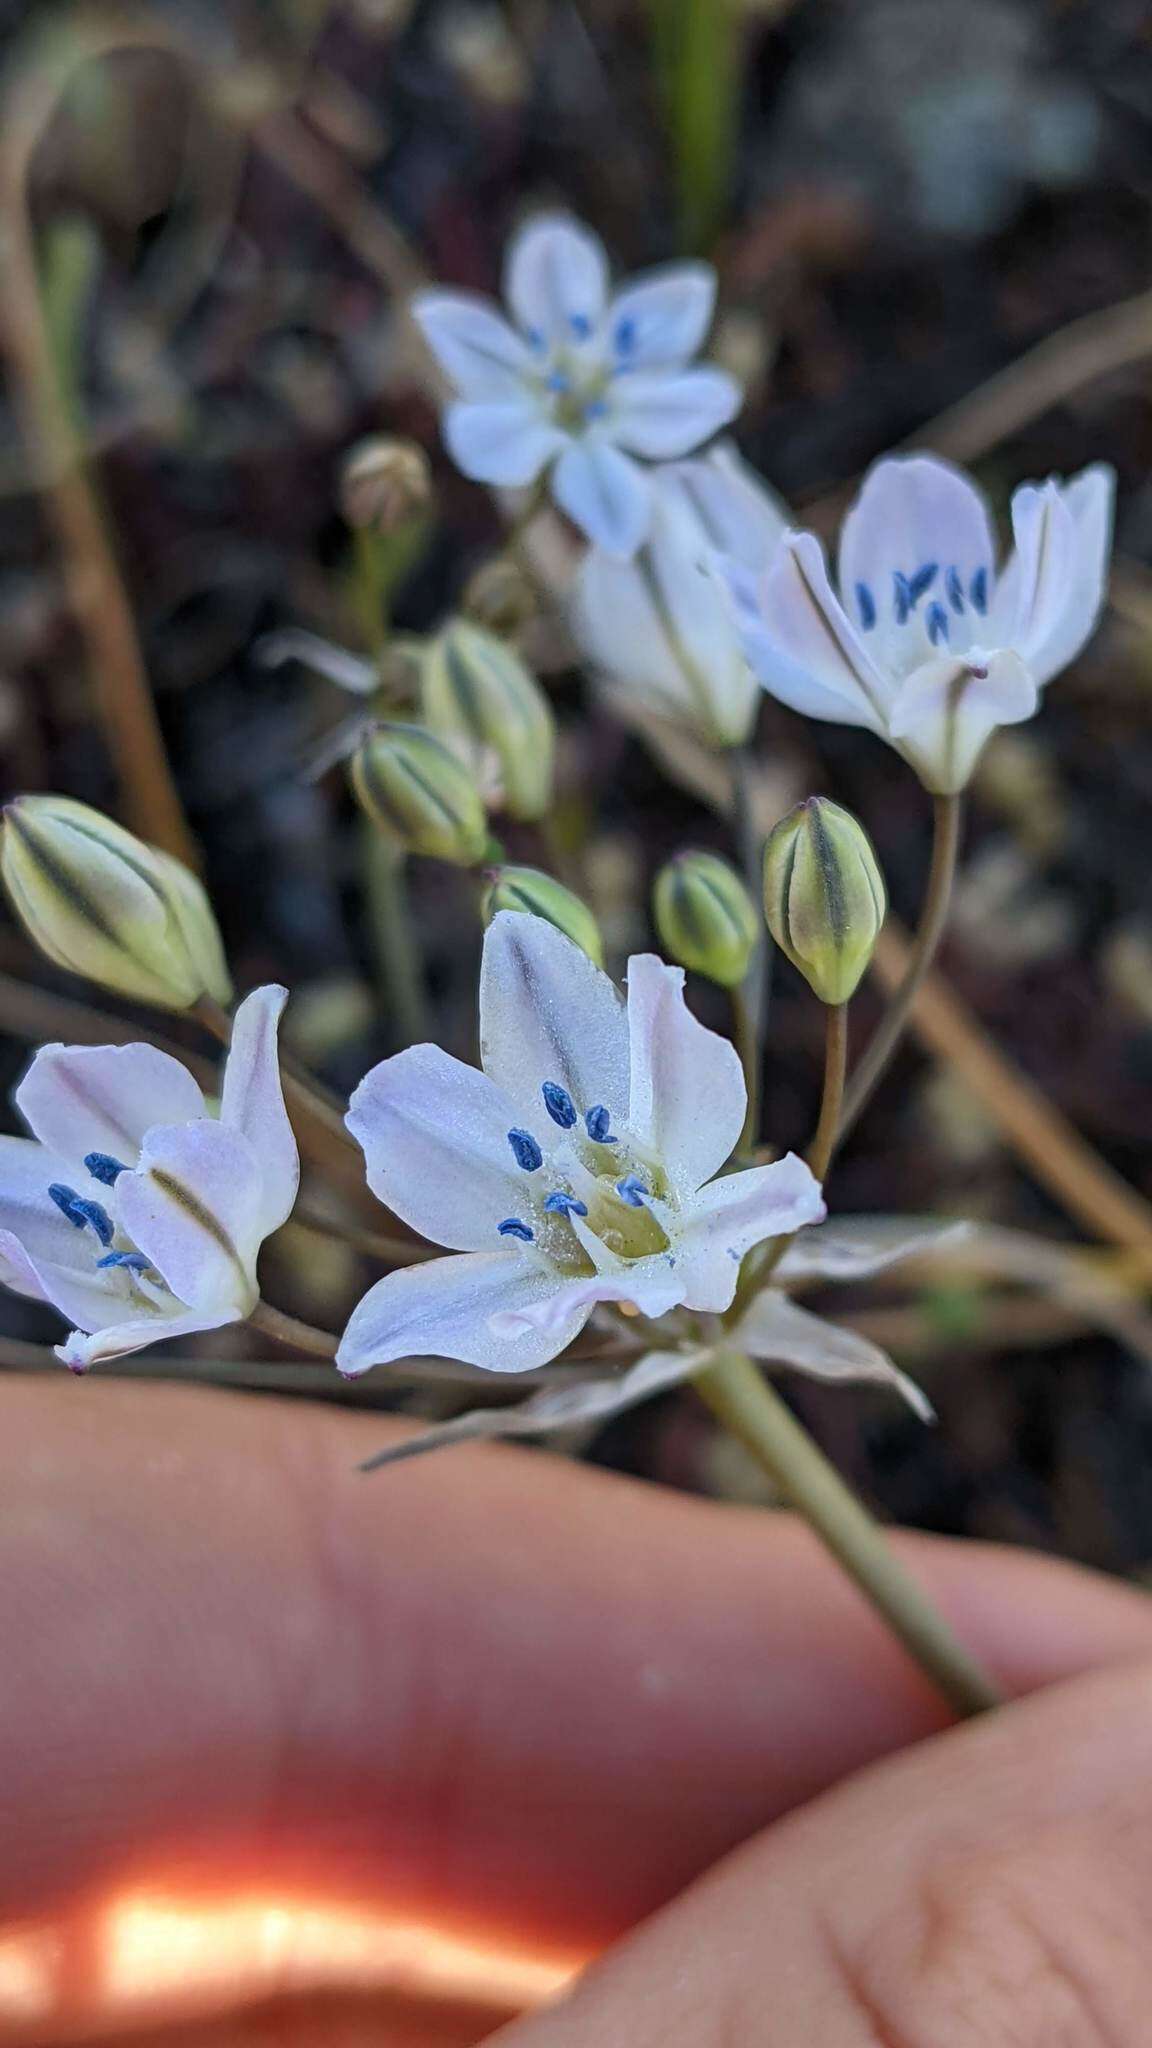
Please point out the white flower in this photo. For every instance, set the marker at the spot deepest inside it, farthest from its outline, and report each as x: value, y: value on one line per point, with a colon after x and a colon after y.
x: 772, y: 1330
x: 661, y: 626
x: 578, y: 382
x: 131, y: 1209
x: 926, y: 643
x: 576, y: 1168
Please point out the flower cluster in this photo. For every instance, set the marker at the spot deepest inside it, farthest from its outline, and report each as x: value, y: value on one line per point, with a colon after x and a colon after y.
x: 601, y: 1172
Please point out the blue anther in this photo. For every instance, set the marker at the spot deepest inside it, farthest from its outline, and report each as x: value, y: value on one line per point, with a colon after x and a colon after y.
x: 937, y: 624
x: 68, y: 1203
x: 632, y: 1190
x: 559, y: 1105
x: 513, y: 1227
x: 978, y: 590
x: 558, y: 381
x: 134, y: 1262
x: 901, y: 596
x: 625, y: 336
x: 560, y: 1204
x: 596, y: 409
x: 581, y: 325
x: 596, y: 1123
x: 103, y: 1167
x: 92, y: 1213
x: 866, y: 606
x: 525, y: 1150
x: 955, y: 589
x: 923, y: 580
x: 536, y: 340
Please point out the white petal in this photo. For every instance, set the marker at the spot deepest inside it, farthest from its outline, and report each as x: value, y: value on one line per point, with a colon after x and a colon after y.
x: 87, y: 1294
x: 687, y: 1092
x: 801, y: 643
x: 661, y: 320
x: 730, y: 1216
x: 135, y: 1331
x: 556, y: 279
x: 943, y: 714
x: 193, y: 1207
x: 102, y: 1098
x: 445, y: 1309
x: 1055, y: 586
x: 778, y: 1332
x: 912, y: 510
x: 548, y: 1014
x: 653, y: 1285
x: 435, y: 1137
x: 853, y: 1248
x: 26, y: 1210
x: 252, y: 1102
x: 604, y: 494
x: 659, y: 413
x: 736, y: 511
x: 481, y: 353
x: 350, y: 671
x: 553, y: 1408
x: 506, y: 444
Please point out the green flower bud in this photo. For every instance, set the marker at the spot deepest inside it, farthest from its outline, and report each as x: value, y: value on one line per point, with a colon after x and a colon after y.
x: 385, y: 484
x: 476, y: 690
x: 705, y: 917
x: 421, y: 793
x: 531, y: 889
x: 824, y: 896
x: 500, y: 597
x: 106, y: 905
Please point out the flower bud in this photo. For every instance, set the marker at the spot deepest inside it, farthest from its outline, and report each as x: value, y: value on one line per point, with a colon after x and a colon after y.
x: 500, y: 597
x: 824, y: 896
x: 530, y: 889
x: 705, y: 917
x: 476, y: 690
x: 106, y: 905
x: 421, y: 793
x: 385, y: 484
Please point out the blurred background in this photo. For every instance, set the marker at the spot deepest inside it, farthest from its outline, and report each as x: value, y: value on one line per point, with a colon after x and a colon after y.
x: 933, y: 222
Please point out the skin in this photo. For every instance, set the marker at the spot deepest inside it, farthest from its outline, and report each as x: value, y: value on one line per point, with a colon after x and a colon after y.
x: 537, y: 1703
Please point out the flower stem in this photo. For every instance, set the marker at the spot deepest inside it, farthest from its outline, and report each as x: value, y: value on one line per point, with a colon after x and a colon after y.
x: 741, y: 1398
x: 398, y: 963
x: 832, y: 1102
x: 937, y: 900
x: 288, y: 1330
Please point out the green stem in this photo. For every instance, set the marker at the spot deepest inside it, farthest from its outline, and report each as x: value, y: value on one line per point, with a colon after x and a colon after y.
x: 288, y: 1330
x: 398, y: 963
x: 741, y: 1398
x: 832, y: 1102
x: 937, y: 901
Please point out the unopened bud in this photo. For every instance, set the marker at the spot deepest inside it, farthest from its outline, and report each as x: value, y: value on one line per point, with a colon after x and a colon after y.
x: 530, y: 889
x: 384, y: 484
x: 705, y: 917
x: 500, y: 597
x: 105, y: 905
x: 476, y: 691
x: 421, y: 793
x: 824, y: 896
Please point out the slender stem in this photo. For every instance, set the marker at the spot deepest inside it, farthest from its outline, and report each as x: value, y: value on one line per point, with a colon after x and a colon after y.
x: 832, y: 1102
x: 752, y: 1013
x: 288, y: 1330
x: 937, y: 901
x: 740, y: 1396
x: 748, y: 1047
x: 398, y: 965
x: 391, y: 1251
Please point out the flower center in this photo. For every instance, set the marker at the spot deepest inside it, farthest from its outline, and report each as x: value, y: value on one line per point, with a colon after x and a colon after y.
x: 590, y: 1179
x: 86, y: 1214
x: 950, y: 610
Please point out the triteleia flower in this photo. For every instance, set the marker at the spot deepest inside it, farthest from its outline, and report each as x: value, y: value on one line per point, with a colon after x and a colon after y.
x: 660, y: 627
x: 575, y: 1169
x: 578, y: 383
x: 131, y: 1209
x: 927, y: 643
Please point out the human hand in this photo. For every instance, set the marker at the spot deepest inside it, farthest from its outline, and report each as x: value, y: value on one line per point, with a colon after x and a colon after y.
x: 531, y: 1702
